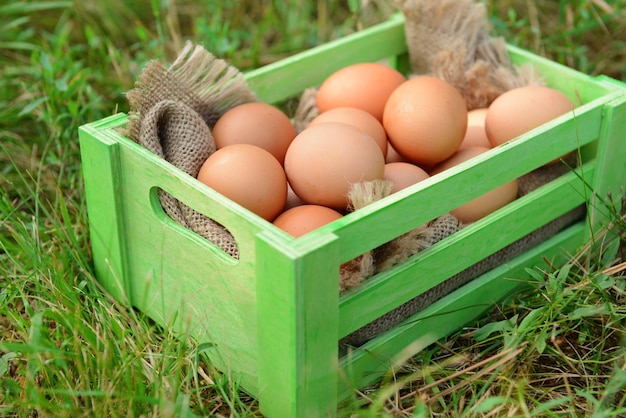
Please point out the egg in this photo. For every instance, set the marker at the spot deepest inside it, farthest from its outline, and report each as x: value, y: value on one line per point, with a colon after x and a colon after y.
x: 365, y: 85
x: 476, y: 135
x: 521, y: 109
x: 392, y: 155
x: 486, y: 203
x: 460, y: 156
x: 303, y: 219
x: 358, y: 118
x: 292, y: 199
x: 403, y: 175
x: 425, y: 119
x: 324, y: 160
x: 248, y: 175
x: 257, y: 124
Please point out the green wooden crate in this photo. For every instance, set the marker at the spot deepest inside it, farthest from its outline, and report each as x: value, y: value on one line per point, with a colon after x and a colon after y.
x: 273, y: 318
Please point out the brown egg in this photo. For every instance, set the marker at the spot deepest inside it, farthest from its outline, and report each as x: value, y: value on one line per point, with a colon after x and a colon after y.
x: 302, y: 219
x: 248, y: 175
x: 257, y: 124
x: 403, y: 175
x: 519, y: 110
x: 364, y: 85
x: 358, y: 118
x: 488, y: 202
x: 292, y: 199
x: 324, y: 160
x: 460, y: 156
x: 392, y: 155
x: 425, y: 119
x: 476, y: 136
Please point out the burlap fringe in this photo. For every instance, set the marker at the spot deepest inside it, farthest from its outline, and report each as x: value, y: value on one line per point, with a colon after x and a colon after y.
x: 360, y: 195
x: 172, y: 112
x: 197, y: 78
x: 435, y: 26
x: 307, y: 109
x: 449, y: 39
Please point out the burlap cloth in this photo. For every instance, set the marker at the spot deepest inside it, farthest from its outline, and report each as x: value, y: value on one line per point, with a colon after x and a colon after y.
x: 450, y: 39
x: 173, y: 110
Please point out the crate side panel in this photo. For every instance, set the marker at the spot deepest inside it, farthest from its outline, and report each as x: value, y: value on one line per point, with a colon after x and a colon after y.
x: 466, y: 247
x: 366, y: 364
x: 180, y: 279
x: 416, y: 205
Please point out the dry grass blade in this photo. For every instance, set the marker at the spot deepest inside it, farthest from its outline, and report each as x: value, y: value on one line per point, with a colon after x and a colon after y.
x: 205, y: 376
x: 614, y: 270
x: 504, y: 357
x: 607, y: 8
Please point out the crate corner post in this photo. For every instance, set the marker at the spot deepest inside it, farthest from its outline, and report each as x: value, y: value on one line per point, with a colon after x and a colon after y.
x: 298, y: 318
x: 102, y: 174
x: 609, y: 178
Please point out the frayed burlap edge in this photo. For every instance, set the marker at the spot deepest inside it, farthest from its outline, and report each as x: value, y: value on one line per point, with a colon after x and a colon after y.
x: 449, y: 39
x: 172, y: 111
x: 198, y: 79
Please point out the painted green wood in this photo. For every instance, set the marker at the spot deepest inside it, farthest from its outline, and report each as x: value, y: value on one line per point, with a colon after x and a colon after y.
x: 576, y: 85
x: 176, y: 277
x: 419, y: 204
x: 609, y: 182
x: 398, y: 285
x: 102, y: 177
x: 366, y: 364
x: 297, y: 295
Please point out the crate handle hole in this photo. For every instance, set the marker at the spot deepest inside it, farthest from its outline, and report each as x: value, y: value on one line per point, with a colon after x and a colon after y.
x: 201, y: 228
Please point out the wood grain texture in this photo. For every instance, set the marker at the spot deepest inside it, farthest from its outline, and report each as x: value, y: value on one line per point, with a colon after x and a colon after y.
x: 102, y: 176
x: 298, y: 292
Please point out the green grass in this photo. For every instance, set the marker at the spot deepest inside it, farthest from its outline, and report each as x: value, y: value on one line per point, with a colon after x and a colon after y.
x: 555, y: 350
x: 66, y: 349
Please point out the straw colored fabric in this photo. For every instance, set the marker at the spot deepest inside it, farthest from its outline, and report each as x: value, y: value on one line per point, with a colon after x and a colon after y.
x: 449, y: 39
x: 172, y: 112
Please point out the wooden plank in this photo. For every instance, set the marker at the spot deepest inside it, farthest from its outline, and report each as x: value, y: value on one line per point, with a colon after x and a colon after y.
x: 576, y: 85
x: 289, y: 77
x: 297, y: 295
x: 102, y: 176
x: 366, y: 364
x: 432, y: 266
x: 416, y: 205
